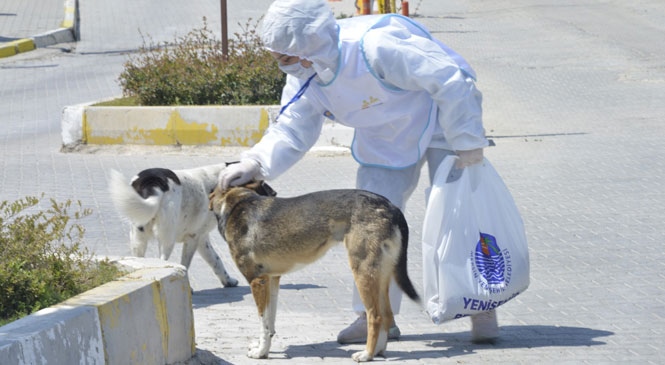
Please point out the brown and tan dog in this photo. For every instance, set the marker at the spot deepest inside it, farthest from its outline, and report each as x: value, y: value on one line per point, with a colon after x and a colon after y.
x: 269, y: 237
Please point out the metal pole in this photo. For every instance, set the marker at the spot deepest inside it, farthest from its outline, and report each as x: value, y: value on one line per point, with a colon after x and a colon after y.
x: 225, y: 33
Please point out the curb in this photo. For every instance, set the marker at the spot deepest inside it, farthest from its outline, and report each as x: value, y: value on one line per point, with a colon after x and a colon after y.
x: 67, y: 33
x: 223, y: 126
x: 145, y: 317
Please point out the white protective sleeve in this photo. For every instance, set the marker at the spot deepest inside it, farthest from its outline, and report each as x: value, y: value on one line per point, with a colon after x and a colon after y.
x: 410, y: 62
x: 297, y: 129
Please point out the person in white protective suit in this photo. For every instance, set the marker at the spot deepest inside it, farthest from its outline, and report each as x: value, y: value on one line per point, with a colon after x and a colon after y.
x: 409, y: 98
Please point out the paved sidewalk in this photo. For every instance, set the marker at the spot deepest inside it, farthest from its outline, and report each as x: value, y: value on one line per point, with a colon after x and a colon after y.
x: 573, y: 97
x: 25, y: 19
x: 32, y: 24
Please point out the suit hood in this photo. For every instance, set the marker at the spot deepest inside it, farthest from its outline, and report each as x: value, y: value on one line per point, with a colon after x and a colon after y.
x: 303, y: 28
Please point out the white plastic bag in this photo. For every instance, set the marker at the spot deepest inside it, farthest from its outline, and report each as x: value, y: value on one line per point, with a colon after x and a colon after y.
x: 475, y: 255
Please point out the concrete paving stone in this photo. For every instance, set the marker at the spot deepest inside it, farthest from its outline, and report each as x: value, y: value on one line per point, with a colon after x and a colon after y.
x: 572, y: 97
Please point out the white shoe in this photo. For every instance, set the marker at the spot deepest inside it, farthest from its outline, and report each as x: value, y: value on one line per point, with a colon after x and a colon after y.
x: 357, y: 332
x: 484, y: 327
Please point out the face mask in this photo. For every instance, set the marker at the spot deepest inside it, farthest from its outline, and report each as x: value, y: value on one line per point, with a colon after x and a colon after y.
x: 297, y: 70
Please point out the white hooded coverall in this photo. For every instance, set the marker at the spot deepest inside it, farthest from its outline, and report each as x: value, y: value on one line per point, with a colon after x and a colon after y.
x: 405, y: 94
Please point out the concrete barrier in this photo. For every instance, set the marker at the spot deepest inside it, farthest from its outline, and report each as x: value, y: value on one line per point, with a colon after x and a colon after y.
x: 169, y: 125
x: 225, y: 126
x: 145, y: 317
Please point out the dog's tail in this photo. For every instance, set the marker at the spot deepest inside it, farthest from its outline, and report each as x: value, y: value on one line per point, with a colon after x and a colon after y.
x: 401, y: 274
x: 130, y: 203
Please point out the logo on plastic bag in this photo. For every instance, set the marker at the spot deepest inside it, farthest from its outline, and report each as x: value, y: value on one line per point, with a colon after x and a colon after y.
x: 492, y: 266
x: 329, y: 115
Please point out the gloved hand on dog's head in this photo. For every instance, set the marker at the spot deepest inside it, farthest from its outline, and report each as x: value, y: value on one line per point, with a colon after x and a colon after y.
x: 239, y: 173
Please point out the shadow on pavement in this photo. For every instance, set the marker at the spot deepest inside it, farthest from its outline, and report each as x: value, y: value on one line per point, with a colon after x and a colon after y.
x: 207, y: 297
x: 300, y: 286
x: 447, y: 345
x: 204, y: 357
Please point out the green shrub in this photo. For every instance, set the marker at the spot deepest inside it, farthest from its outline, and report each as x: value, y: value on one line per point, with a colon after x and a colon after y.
x: 194, y: 71
x: 41, y: 259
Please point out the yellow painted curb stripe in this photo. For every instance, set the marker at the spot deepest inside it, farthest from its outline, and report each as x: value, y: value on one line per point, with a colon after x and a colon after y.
x: 18, y: 46
x: 70, y: 14
x: 7, y: 51
x: 24, y: 45
x: 85, y: 129
x: 159, y: 305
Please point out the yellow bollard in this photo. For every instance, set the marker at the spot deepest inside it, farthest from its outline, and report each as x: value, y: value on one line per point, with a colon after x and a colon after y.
x: 382, y: 6
x: 387, y: 6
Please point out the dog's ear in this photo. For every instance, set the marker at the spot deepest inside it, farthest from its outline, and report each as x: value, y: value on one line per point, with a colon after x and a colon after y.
x: 212, y: 196
x: 260, y: 187
x: 266, y: 190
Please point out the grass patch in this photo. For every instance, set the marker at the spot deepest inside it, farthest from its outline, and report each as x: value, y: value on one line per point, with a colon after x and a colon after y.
x: 123, y: 101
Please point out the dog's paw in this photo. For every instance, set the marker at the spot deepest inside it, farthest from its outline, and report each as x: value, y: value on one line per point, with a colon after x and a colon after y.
x: 230, y: 283
x: 253, y: 345
x: 256, y: 353
x: 361, y: 356
x: 258, y: 349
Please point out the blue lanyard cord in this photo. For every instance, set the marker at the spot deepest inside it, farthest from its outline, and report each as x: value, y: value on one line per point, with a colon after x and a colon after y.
x: 296, y: 96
